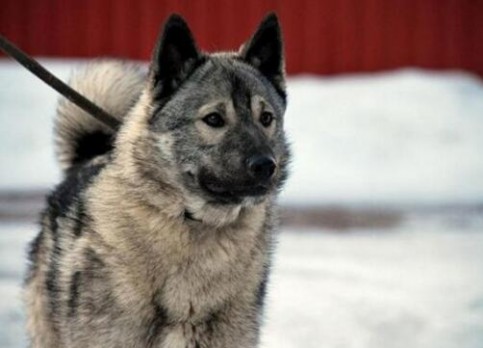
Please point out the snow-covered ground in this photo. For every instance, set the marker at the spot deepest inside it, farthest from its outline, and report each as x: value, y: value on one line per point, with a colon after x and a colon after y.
x: 419, y: 286
x: 400, y: 137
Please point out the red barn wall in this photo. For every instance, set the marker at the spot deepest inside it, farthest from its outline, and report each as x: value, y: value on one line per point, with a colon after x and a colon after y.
x: 323, y: 37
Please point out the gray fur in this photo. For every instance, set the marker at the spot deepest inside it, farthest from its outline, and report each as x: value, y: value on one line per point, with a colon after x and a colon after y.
x: 164, y: 238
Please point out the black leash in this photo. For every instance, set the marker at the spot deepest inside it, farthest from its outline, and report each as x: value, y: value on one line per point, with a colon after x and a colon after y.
x: 43, y: 74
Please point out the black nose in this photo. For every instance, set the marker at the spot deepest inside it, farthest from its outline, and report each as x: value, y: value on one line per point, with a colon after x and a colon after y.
x: 261, y: 167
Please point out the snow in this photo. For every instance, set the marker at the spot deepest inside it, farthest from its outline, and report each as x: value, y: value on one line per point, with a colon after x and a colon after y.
x: 13, y: 244
x: 398, y: 137
x: 417, y: 286
x: 405, y: 289
x: 27, y: 108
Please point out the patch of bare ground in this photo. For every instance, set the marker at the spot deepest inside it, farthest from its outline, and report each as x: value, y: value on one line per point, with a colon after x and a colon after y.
x: 25, y: 206
x: 341, y: 218
x: 22, y: 206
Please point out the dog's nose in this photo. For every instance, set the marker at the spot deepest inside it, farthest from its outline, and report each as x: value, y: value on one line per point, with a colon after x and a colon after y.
x: 261, y: 167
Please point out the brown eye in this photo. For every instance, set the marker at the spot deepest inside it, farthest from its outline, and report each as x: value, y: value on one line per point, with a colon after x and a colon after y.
x: 266, y: 118
x: 214, y: 120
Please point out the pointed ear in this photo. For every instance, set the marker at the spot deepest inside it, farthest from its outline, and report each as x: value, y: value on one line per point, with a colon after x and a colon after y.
x: 264, y: 51
x: 175, y: 57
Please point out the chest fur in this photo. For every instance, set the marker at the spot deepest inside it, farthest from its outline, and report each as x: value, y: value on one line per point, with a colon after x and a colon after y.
x: 212, y: 272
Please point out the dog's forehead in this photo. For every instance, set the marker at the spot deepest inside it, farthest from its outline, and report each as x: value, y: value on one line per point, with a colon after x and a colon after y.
x: 228, y: 77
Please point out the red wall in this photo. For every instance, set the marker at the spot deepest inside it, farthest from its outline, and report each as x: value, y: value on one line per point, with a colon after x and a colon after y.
x: 325, y: 37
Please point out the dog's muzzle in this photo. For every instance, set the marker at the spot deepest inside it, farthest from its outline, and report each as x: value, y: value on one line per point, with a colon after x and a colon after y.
x: 255, y: 183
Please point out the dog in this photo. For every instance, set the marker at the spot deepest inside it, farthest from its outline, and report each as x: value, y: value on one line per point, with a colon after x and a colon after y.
x: 162, y: 231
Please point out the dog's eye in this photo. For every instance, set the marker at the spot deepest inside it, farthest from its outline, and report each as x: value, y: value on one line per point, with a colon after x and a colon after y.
x: 266, y: 118
x: 214, y: 120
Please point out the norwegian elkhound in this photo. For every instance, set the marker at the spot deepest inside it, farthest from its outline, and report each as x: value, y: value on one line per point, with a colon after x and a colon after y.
x: 161, y: 233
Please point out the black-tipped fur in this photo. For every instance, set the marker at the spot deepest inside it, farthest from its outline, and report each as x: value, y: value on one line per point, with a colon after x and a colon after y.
x: 174, y: 58
x: 115, y: 86
x: 264, y: 51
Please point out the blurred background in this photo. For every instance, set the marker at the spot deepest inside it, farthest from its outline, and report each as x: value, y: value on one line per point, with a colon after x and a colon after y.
x: 382, y: 218
x: 322, y: 37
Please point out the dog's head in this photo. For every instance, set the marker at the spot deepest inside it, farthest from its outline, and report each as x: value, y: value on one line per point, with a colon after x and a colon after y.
x: 218, y: 117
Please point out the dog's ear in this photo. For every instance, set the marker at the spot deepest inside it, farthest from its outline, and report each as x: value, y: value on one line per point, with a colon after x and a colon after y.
x: 264, y: 51
x: 174, y: 58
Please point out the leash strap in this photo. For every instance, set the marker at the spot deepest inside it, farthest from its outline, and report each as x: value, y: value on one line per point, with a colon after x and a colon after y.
x: 38, y: 70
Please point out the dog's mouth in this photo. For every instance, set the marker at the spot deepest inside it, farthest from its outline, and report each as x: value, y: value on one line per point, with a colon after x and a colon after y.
x: 230, y: 192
